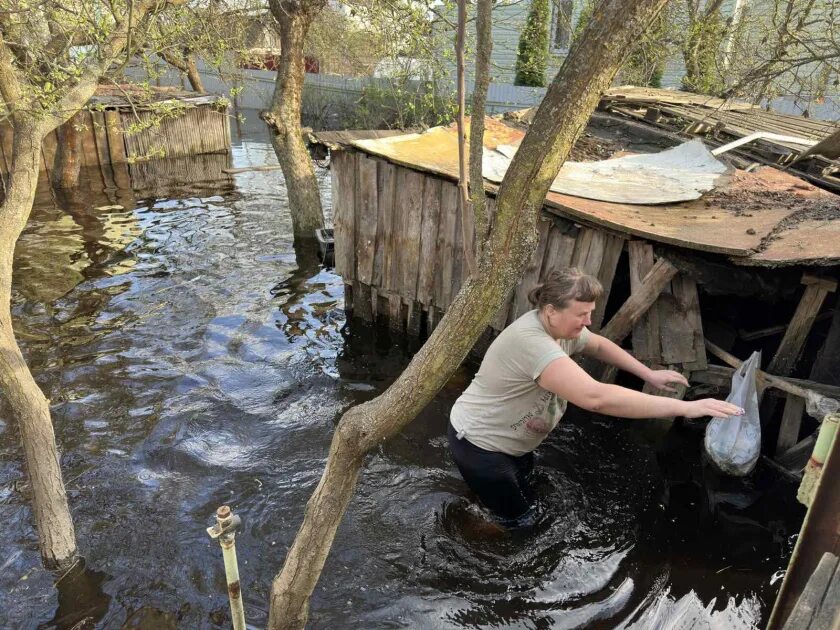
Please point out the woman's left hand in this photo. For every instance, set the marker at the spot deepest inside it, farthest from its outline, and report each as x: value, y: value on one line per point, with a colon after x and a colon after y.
x: 663, y: 379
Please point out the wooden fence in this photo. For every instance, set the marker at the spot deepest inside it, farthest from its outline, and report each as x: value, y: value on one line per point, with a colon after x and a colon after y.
x: 107, y: 145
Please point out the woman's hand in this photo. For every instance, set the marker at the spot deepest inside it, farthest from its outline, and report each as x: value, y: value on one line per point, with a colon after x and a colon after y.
x: 662, y: 379
x: 711, y: 407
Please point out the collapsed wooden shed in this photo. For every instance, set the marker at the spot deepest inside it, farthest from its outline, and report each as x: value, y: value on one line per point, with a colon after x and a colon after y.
x: 763, y: 248
x: 764, y: 234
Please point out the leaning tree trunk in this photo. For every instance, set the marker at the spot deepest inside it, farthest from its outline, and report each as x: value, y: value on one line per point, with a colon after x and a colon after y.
x: 564, y: 112
x: 193, y: 75
x: 29, y: 406
x: 187, y: 65
x: 292, y: 21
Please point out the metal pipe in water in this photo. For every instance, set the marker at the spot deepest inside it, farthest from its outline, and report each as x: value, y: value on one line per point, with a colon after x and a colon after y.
x: 225, y: 530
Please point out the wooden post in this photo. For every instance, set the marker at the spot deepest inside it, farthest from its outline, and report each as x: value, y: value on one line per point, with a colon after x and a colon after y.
x: 786, y: 357
x: 790, y: 349
x: 638, y: 303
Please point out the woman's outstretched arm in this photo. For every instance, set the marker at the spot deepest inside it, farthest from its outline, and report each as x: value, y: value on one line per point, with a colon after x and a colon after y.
x: 568, y: 380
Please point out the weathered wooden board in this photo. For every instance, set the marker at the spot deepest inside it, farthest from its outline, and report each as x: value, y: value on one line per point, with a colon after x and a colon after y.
x: 458, y: 260
x: 366, y: 216
x: 639, y: 302
x: 386, y: 180
x: 692, y: 224
x: 344, y: 213
x: 429, y: 241
x: 362, y: 301
x: 791, y: 423
x: 558, y: 251
x: 681, y: 327
x: 116, y: 137
x: 396, y: 321
x: 813, y: 597
x: 90, y: 157
x: 646, y: 347
x: 116, y: 149
x: 531, y: 276
x: 414, y: 316
x: 103, y: 156
x: 793, y: 342
x: 596, y: 253
x: 613, y: 246
x: 407, y: 236
x: 589, y: 251
x: 446, y: 245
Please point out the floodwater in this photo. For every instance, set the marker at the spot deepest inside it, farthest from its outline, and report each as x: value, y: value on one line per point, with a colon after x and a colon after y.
x: 193, y: 358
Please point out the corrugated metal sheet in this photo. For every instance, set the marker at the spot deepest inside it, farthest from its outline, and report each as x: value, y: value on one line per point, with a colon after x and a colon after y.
x: 681, y: 173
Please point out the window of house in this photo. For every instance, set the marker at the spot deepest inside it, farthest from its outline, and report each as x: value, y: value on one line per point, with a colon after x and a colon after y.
x: 561, y: 37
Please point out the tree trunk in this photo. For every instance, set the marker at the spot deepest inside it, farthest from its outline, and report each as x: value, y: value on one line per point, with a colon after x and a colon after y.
x: 562, y: 116
x: 292, y: 21
x: 68, y: 157
x: 483, y: 51
x: 187, y: 65
x: 31, y: 409
x: 194, y: 76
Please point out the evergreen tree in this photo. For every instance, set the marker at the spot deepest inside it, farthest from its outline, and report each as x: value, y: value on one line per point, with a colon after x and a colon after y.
x: 532, y: 58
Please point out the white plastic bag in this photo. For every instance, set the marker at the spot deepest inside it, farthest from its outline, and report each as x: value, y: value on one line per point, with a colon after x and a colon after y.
x: 734, y: 444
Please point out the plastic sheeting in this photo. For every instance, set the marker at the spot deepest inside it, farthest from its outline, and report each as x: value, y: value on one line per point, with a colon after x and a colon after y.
x: 682, y: 173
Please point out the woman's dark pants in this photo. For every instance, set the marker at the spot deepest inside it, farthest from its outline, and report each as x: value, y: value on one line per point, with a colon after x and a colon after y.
x: 500, y: 480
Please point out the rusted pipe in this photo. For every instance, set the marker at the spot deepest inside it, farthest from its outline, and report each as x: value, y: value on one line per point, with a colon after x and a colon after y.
x: 225, y: 530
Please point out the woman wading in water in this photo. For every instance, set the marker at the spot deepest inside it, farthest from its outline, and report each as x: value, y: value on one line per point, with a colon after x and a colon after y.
x: 520, y: 392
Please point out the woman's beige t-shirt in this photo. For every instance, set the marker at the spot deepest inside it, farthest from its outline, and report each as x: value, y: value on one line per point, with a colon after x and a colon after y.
x: 504, y: 409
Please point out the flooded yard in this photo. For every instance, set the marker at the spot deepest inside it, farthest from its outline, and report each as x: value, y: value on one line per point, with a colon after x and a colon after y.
x: 194, y: 357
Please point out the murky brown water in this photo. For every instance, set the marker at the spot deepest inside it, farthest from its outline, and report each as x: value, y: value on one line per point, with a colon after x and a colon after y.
x: 193, y: 358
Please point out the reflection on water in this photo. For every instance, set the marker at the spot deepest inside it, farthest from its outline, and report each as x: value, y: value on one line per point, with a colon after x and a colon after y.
x: 195, y: 356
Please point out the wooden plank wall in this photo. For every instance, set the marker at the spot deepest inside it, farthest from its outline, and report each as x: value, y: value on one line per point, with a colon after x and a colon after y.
x: 194, y: 131
x: 399, y: 248
x: 399, y: 245
x: 200, y: 130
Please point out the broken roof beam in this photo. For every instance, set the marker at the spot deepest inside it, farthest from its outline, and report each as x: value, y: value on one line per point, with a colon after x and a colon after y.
x: 640, y: 301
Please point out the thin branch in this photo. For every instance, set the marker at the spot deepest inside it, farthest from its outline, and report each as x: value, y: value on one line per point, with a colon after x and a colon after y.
x: 463, y: 197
